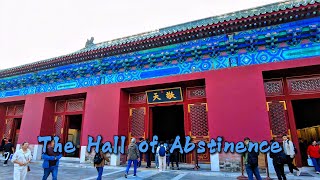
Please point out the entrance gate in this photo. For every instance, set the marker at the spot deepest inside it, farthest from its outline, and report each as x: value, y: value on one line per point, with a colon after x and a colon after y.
x: 193, y: 100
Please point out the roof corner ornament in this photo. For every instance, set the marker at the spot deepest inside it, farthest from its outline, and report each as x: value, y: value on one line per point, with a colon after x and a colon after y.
x: 89, y: 42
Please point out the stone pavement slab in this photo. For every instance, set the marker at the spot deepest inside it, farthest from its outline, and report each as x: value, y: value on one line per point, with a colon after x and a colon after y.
x: 87, y: 172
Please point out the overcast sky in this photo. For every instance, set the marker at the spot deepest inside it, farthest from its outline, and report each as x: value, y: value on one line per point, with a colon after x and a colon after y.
x: 35, y: 30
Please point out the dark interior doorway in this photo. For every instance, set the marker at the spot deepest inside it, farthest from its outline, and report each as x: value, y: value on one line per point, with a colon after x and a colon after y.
x: 74, y: 124
x: 307, y: 117
x: 16, y: 130
x: 168, y: 122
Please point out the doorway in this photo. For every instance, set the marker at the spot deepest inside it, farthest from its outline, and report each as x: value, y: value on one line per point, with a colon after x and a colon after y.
x: 167, y: 123
x: 307, y: 117
x: 74, y: 124
x: 16, y: 130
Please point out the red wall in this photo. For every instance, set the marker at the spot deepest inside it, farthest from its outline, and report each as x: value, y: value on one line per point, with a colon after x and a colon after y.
x: 236, y: 104
x: 31, y: 119
x: 101, y: 113
x: 47, y: 125
x: 2, y: 119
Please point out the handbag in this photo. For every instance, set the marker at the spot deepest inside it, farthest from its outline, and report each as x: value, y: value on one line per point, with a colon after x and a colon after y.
x: 28, y: 169
x: 310, y: 163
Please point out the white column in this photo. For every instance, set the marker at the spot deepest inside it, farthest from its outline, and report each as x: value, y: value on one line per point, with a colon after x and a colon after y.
x: 214, y: 161
x: 270, y: 164
x: 83, y: 154
x: 37, y: 152
x: 115, y: 158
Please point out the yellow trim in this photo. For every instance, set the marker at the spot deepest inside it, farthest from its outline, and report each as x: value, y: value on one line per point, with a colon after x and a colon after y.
x: 284, y: 104
x: 167, y: 101
x: 206, y: 106
x: 61, y: 131
x: 189, y: 105
x: 268, y: 105
x: 130, y: 111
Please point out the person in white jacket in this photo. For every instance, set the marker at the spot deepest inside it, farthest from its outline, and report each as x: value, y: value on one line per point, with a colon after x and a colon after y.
x: 288, y: 149
x: 21, y: 159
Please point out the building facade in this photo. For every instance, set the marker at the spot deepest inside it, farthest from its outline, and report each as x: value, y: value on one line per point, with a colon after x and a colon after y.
x: 252, y: 73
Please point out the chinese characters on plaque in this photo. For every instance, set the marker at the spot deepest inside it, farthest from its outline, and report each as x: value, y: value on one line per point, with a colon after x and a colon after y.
x: 164, y: 95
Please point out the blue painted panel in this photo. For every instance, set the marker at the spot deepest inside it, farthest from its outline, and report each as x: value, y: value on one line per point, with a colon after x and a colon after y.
x: 160, y: 72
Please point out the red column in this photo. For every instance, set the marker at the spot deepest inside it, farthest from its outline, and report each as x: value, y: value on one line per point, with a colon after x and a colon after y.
x: 32, y: 119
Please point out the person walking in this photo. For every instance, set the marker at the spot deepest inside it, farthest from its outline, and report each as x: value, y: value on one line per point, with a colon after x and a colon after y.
x: 251, y: 162
x: 3, y: 142
x: 21, y: 159
x: 133, y: 157
x: 162, y: 156
x: 174, y: 156
x: 148, y: 155
x: 8, y: 150
x: 289, y: 150
x: 99, y: 161
x: 278, y: 161
x: 313, y: 152
x: 156, y: 156
x: 50, y: 162
x: 168, y: 154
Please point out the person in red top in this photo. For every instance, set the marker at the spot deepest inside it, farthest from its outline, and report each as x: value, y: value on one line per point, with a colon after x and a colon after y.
x: 314, y: 153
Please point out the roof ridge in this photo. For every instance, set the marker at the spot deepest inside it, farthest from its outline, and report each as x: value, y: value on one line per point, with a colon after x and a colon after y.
x: 263, y: 9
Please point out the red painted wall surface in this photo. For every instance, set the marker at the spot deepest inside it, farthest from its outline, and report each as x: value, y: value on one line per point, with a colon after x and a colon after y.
x: 236, y: 104
x: 2, y: 120
x: 31, y: 119
x: 47, y: 124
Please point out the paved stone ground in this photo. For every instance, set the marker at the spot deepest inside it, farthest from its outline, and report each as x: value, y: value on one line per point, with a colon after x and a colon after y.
x: 67, y: 171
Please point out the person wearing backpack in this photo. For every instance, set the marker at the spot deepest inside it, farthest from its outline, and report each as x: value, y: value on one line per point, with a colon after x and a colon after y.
x: 290, y: 151
x: 99, y: 161
x: 162, y: 156
x: 313, y: 152
x: 278, y: 160
x: 133, y: 157
x: 250, y: 160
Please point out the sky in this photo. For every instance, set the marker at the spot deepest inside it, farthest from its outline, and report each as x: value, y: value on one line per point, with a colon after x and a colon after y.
x: 36, y: 30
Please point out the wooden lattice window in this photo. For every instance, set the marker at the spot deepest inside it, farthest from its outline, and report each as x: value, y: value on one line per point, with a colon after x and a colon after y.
x: 137, y: 116
x: 196, y: 92
x: 75, y: 105
x: 10, y: 110
x: 15, y: 110
x: 139, y: 98
x: 60, y: 106
x: 8, y: 127
x: 199, y: 120
x: 19, y: 109
x: 273, y: 87
x: 59, y: 122
x: 69, y: 105
x: 278, y: 118
x: 304, y: 85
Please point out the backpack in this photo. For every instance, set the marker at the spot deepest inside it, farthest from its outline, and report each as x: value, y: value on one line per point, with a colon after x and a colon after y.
x: 162, y: 151
x: 253, y: 159
x: 294, y: 148
x: 281, y: 158
x: 97, y: 158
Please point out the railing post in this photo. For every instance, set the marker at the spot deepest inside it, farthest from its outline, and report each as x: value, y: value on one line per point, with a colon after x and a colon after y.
x: 266, y: 162
x: 242, y: 172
